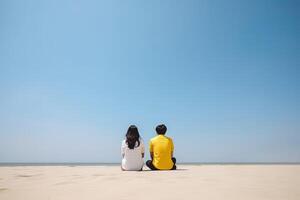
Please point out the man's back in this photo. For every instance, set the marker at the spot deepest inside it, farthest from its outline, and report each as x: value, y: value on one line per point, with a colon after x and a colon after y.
x: 162, y: 147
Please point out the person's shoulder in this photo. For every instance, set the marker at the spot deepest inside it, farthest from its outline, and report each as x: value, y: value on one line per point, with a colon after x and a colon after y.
x: 123, y: 142
x: 169, y: 138
x: 141, y: 140
x: 152, y: 140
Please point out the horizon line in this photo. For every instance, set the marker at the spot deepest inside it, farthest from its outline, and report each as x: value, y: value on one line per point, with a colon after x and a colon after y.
x: 4, y: 164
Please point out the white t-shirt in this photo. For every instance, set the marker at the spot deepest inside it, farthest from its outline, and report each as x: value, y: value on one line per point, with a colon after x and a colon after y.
x: 133, y: 159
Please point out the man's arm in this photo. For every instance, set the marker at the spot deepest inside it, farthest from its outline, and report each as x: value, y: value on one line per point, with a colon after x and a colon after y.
x: 172, y: 148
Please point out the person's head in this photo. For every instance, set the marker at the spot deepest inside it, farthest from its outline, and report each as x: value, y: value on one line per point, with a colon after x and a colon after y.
x: 132, y: 136
x: 161, y: 129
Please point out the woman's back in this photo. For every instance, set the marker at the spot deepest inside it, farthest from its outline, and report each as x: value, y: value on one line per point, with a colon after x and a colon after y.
x: 132, y: 158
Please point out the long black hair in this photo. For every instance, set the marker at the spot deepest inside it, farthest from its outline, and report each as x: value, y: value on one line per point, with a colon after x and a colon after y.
x: 132, y: 136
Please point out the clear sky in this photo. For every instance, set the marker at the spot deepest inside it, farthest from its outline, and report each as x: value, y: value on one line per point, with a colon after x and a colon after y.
x: 224, y: 76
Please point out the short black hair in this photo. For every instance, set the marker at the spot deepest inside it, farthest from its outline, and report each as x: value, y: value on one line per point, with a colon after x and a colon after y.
x: 161, y: 129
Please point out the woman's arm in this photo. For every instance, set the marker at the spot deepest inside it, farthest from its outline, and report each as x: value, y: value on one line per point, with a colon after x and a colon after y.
x: 123, y: 149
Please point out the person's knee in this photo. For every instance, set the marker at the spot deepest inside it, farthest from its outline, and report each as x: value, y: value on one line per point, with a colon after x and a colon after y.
x: 174, y: 167
x: 174, y: 160
x: 149, y: 163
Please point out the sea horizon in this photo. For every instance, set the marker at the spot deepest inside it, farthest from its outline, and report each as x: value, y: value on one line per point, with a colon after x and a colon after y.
x: 14, y: 164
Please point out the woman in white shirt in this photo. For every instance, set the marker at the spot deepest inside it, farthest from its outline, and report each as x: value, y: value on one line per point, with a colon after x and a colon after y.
x: 132, y: 150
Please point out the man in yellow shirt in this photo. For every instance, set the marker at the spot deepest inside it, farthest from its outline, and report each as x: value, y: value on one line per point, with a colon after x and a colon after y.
x: 161, y: 151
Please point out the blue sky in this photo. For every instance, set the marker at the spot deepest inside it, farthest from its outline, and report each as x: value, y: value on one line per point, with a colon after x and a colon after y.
x: 222, y: 75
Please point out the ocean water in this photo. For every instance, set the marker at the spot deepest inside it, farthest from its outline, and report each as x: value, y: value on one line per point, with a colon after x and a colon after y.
x: 74, y: 164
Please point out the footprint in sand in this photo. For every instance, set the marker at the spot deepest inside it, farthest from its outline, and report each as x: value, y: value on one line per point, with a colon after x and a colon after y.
x: 64, y: 183
x: 27, y: 175
x: 3, y: 189
x: 24, y: 176
x: 98, y: 175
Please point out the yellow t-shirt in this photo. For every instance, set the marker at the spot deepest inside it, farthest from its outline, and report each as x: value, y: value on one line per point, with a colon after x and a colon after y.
x: 161, y: 146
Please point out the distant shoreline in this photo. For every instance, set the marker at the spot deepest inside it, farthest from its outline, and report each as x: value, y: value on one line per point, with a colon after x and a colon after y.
x: 73, y: 164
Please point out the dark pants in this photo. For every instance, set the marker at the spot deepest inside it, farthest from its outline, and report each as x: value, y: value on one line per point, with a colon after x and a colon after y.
x: 152, y: 167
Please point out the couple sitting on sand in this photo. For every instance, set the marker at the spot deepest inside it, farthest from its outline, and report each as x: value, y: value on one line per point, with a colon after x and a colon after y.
x: 161, y: 151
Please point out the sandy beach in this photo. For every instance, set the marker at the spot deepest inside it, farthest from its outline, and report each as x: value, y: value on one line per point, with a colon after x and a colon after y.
x: 189, y: 182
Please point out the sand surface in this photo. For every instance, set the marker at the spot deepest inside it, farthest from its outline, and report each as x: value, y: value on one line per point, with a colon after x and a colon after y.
x: 240, y: 182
